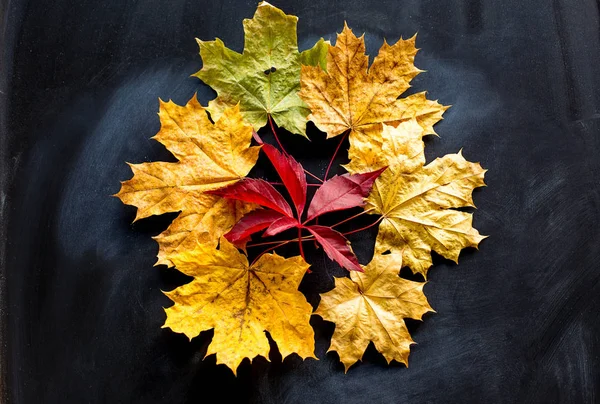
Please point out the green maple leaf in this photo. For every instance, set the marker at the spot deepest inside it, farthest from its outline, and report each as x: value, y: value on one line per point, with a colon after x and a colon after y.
x: 265, y: 78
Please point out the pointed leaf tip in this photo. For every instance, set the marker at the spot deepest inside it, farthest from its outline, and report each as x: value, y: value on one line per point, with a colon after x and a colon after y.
x: 251, y: 223
x: 336, y: 246
x: 292, y: 175
x: 255, y: 191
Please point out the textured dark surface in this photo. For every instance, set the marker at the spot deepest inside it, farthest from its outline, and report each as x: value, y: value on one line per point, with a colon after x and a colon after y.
x: 517, y: 321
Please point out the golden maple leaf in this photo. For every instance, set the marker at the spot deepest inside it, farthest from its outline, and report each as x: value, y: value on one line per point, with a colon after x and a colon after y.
x: 210, y: 156
x: 371, y: 307
x: 352, y: 96
x: 417, y: 200
x: 241, y: 302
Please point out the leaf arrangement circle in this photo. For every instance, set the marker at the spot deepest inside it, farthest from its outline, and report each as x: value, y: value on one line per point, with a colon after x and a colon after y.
x: 220, y: 208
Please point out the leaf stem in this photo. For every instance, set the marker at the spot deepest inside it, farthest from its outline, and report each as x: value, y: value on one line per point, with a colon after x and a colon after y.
x: 337, y: 149
x: 275, y: 135
x: 268, y: 249
x: 352, y: 217
x: 314, y: 176
x: 363, y: 228
x: 282, y: 184
x: 300, y: 243
x: 305, y: 238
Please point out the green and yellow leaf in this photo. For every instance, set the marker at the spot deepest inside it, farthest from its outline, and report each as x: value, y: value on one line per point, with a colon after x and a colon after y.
x: 265, y: 78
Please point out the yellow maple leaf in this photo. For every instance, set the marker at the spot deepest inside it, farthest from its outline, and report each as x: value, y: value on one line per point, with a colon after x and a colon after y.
x: 417, y: 201
x: 402, y: 148
x: 241, y: 302
x: 211, y: 217
x: 210, y: 156
x: 371, y: 307
x: 352, y: 96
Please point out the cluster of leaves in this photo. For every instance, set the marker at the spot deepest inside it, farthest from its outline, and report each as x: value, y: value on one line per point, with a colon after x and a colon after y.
x: 220, y: 208
x: 339, y: 193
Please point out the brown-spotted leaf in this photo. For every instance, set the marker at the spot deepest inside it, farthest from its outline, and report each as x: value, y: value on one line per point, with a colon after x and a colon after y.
x: 265, y: 78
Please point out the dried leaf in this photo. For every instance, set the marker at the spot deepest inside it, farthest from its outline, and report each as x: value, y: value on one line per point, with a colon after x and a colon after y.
x: 241, y: 302
x: 265, y: 78
x: 351, y: 96
x: 371, y: 307
x: 210, y: 156
x: 417, y: 210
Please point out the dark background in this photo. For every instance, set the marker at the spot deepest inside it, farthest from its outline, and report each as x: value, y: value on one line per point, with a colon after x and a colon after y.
x: 517, y: 321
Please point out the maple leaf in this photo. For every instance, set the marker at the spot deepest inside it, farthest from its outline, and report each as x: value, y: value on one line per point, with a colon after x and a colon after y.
x: 241, y: 302
x: 417, y: 201
x: 265, y: 78
x: 209, y: 156
x: 351, y: 96
x: 371, y: 307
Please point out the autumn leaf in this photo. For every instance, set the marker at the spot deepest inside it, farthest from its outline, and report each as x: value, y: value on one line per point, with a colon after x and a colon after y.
x: 418, y: 202
x: 209, y: 156
x: 241, y: 302
x: 257, y: 191
x: 338, y: 193
x: 351, y: 96
x: 251, y: 223
x: 342, y: 192
x: 336, y: 246
x: 265, y: 78
x: 371, y: 306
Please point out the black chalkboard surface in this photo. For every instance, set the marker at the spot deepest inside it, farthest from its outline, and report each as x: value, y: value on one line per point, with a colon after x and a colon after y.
x: 517, y: 321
